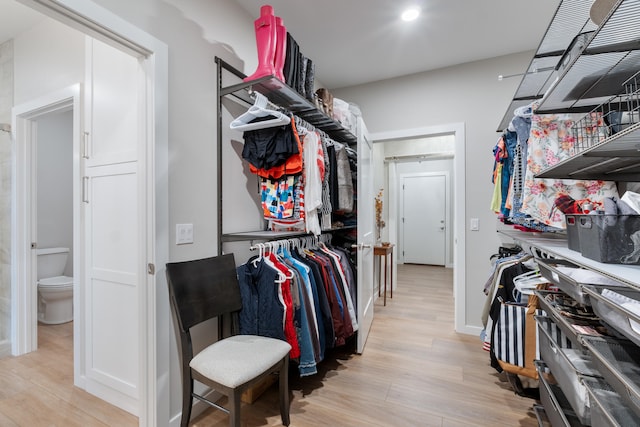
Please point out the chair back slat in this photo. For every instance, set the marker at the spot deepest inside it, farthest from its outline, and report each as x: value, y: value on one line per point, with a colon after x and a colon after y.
x: 203, y: 289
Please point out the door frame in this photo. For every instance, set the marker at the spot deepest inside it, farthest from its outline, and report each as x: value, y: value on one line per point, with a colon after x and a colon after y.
x: 447, y: 212
x: 98, y: 22
x: 459, y: 208
x: 365, y: 238
x: 24, y: 316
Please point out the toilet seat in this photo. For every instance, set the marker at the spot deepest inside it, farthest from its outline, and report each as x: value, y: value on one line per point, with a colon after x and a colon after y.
x: 56, y: 282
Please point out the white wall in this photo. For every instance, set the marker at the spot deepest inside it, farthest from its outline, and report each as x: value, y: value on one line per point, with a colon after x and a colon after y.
x: 469, y: 93
x: 417, y: 146
x: 49, y: 57
x: 55, y: 183
x: 6, y: 102
x: 195, y: 31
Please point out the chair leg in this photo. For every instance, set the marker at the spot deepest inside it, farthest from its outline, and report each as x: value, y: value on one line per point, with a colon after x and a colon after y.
x: 187, y: 399
x: 234, y: 408
x: 284, y: 391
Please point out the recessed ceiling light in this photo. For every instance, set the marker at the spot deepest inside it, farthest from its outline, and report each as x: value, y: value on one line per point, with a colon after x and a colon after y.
x: 410, y: 14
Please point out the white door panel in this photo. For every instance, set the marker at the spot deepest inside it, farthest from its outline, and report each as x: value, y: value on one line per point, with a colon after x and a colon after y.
x: 424, y: 219
x: 114, y: 84
x: 111, y: 319
x: 366, y: 238
x: 115, y: 235
x: 114, y: 217
x: 112, y: 263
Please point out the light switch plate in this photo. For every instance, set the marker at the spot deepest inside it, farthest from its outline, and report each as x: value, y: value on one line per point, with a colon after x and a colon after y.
x: 184, y: 234
x: 474, y: 224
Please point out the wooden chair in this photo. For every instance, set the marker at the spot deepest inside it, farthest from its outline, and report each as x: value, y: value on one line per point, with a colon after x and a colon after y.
x: 203, y: 289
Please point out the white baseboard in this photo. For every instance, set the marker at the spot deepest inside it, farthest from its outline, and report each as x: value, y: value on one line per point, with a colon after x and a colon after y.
x: 470, y: 330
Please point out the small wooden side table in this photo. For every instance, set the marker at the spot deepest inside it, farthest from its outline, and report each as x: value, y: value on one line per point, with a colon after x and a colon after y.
x: 384, y: 251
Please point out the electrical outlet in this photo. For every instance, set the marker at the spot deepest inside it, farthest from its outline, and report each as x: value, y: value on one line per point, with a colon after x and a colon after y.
x: 184, y: 234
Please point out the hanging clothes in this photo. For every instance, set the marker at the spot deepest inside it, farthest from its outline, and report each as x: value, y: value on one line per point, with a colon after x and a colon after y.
x: 326, y: 219
x: 305, y: 322
x: 305, y: 177
x: 313, y: 176
x: 345, y: 183
x: 277, y: 196
x: 550, y: 142
x: 322, y: 308
x: 284, y: 291
x: 504, y: 152
x: 504, y: 293
x: 268, y: 147
x: 306, y: 297
x: 262, y: 312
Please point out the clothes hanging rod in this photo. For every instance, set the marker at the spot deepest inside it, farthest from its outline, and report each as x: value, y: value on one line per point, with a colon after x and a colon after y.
x: 254, y: 95
x: 534, y: 71
x: 419, y: 157
x: 311, y: 240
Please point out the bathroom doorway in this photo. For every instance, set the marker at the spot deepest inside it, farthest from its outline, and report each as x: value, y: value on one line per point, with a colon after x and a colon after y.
x: 53, y: 176
x: 48, y: 197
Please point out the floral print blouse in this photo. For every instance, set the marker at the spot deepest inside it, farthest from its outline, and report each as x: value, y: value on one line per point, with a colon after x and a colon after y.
x: 551, y: 141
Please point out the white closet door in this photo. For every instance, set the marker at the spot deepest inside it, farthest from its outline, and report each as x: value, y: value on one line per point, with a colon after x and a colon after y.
x: 365, y: 235
x: 424, y: 219
x: 114, y: 235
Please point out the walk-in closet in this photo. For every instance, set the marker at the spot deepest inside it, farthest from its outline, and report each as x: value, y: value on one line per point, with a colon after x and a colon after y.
x: 327, y: 213
x: 563, y: 300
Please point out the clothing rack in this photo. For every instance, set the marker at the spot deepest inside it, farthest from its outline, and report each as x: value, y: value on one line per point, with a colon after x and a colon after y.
x: 300, y: 122
x: 252, y: 95
x: 302, y: 242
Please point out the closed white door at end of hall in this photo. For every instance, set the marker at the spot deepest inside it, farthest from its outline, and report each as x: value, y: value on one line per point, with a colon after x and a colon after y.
x: 424, y: 224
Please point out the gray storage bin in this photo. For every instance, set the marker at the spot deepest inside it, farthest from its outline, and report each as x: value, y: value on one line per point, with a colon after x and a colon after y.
x: 615, y: 315
x: 554, y: 401
x: 573, y: 235
x: 549, y: 269
x: 570, y: 277
x: 541, y: 416
x: 619, y: 363
x: 548, y: 301
x: 566, y: 365
x: 608, y: 408
x: 611, y: 239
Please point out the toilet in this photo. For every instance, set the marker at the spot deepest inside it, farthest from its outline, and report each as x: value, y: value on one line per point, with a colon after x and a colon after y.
x: 55, y: 291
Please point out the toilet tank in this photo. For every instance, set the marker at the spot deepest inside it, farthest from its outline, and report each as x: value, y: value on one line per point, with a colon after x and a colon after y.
x: 51, y: 261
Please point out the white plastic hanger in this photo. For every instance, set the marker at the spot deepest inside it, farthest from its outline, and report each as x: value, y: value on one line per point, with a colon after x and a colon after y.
x: 526, y: 283
x: 259, y: 109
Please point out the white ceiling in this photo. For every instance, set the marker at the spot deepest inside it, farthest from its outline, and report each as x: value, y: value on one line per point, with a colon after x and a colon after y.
x: 359, y: 41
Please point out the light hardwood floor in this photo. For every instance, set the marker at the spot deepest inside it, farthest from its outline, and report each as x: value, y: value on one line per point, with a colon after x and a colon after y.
x: 36, y: 390
x: 415, y: 371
